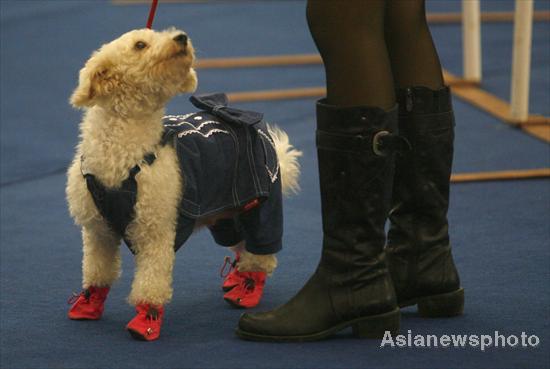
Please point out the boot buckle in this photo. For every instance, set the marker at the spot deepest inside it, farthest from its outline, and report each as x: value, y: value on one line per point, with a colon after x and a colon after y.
x: 384, y: 143
x: 378, y: 144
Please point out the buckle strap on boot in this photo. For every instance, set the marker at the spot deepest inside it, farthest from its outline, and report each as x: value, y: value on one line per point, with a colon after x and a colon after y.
x: 381, y: 143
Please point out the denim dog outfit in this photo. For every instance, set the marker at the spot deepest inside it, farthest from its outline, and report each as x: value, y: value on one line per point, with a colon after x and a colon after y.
x: 228, y: 161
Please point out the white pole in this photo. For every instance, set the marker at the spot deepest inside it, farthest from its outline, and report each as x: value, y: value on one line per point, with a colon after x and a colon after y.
x: 471, y: 40
x: 521, y: 62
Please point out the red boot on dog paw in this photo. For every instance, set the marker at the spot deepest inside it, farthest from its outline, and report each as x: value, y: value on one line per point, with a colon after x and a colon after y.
x: 249, y: 292
x: 146, y: 324
x: 89, y: 304
x: 234, y: 277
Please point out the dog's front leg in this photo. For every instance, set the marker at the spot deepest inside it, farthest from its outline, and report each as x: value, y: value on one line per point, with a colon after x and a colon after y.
x: 153, y: 273
x: 100, y: 269
x: 152, y: 285
x: 101, y: 262
x: 153, y: 234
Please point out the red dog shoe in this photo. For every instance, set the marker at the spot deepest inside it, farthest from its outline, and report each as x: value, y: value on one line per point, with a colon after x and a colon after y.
x: 248, y: 293
x: 89, y: 304
x: 146, y: 324
x: 234, y: 277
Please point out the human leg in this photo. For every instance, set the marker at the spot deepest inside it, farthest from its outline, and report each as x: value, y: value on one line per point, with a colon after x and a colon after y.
x: 357, y: 121
x: 419, y: 250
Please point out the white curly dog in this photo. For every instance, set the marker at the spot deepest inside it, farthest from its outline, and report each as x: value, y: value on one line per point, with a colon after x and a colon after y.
x: 123, y: 88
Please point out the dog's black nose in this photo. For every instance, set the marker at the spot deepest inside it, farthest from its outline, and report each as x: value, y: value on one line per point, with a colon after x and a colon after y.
x: 181, y: 39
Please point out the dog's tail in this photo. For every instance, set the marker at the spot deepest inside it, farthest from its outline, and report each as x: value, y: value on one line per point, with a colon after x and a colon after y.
x: 288, y: 160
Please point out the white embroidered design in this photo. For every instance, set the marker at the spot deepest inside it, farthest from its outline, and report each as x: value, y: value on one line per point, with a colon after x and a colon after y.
x: 193, y: 129
x: 205, y: 123
x: 177, y: 124
x: 272, y: 176
x: 191, y: 124
x: 178, y: 117
x: 262, y: 133
x: 197, y: 129
x: 205, y: 135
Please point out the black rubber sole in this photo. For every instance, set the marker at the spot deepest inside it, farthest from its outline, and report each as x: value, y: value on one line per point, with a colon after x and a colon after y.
x: 227, y: 289
x: 81, y: 319
x: 234, y: 304
x: 444, y: 305
x: 136, y: 335
x: 373, y: 327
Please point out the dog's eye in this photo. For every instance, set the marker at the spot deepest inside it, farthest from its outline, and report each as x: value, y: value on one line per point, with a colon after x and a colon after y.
x: 140, y: 45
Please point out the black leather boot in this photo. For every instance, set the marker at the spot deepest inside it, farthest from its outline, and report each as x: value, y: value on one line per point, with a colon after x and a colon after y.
x: 352, y: 285
x: 418, y: 249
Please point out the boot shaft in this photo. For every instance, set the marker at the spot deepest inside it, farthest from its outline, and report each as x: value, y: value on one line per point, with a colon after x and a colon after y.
x: 419, y: 250
x: 422, y: 180
x: 356, y: 148
x: 355, y: 171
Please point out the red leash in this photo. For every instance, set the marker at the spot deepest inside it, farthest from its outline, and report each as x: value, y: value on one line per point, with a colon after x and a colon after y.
x: 152, y: 13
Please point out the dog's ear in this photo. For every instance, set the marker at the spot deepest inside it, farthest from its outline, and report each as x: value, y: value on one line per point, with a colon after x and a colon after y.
x: 96, y: 80
x: 190, y: 83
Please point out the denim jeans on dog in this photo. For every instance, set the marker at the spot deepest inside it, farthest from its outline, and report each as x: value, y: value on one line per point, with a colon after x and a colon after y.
x: 228, y: 161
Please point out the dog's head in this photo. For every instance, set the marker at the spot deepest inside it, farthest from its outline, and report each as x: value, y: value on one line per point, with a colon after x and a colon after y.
x: 138, y: 72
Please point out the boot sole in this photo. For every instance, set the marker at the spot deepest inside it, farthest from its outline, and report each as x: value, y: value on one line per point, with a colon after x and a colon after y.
x: 234, y: 304
x: 81, y: 318
x: 444, y: 305
x: 373, y: 327
x: 136, y: 335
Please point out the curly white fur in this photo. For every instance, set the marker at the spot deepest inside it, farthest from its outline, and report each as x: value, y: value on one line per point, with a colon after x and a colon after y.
x: 249, y: 262
x: 257, y: 263
x: 124, y: 89
x: 288, y: 160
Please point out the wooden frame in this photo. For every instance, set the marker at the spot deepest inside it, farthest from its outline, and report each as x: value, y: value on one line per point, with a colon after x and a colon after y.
x: 471, y: 40
x: 521, y: 60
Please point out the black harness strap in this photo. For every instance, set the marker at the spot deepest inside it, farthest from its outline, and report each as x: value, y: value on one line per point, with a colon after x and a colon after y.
x: 117, y: 205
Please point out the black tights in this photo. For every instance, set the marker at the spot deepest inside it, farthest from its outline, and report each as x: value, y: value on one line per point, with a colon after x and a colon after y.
x: 369, y: 47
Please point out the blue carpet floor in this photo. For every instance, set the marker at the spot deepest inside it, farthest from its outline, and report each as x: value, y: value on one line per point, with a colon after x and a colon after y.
x: 499, y: 230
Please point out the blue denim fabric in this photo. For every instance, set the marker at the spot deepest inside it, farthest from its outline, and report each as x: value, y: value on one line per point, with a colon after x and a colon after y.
x: 217, y: 105
x: 227, y: 159
x: 261, y: 227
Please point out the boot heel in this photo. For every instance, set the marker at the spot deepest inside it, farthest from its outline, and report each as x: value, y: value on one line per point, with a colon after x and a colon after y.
x: 441, y: 306
x: 376, y: 326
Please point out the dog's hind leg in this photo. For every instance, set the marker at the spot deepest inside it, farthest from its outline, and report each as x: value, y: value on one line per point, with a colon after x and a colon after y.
x: 251, y: 271
x: 257, y: 263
